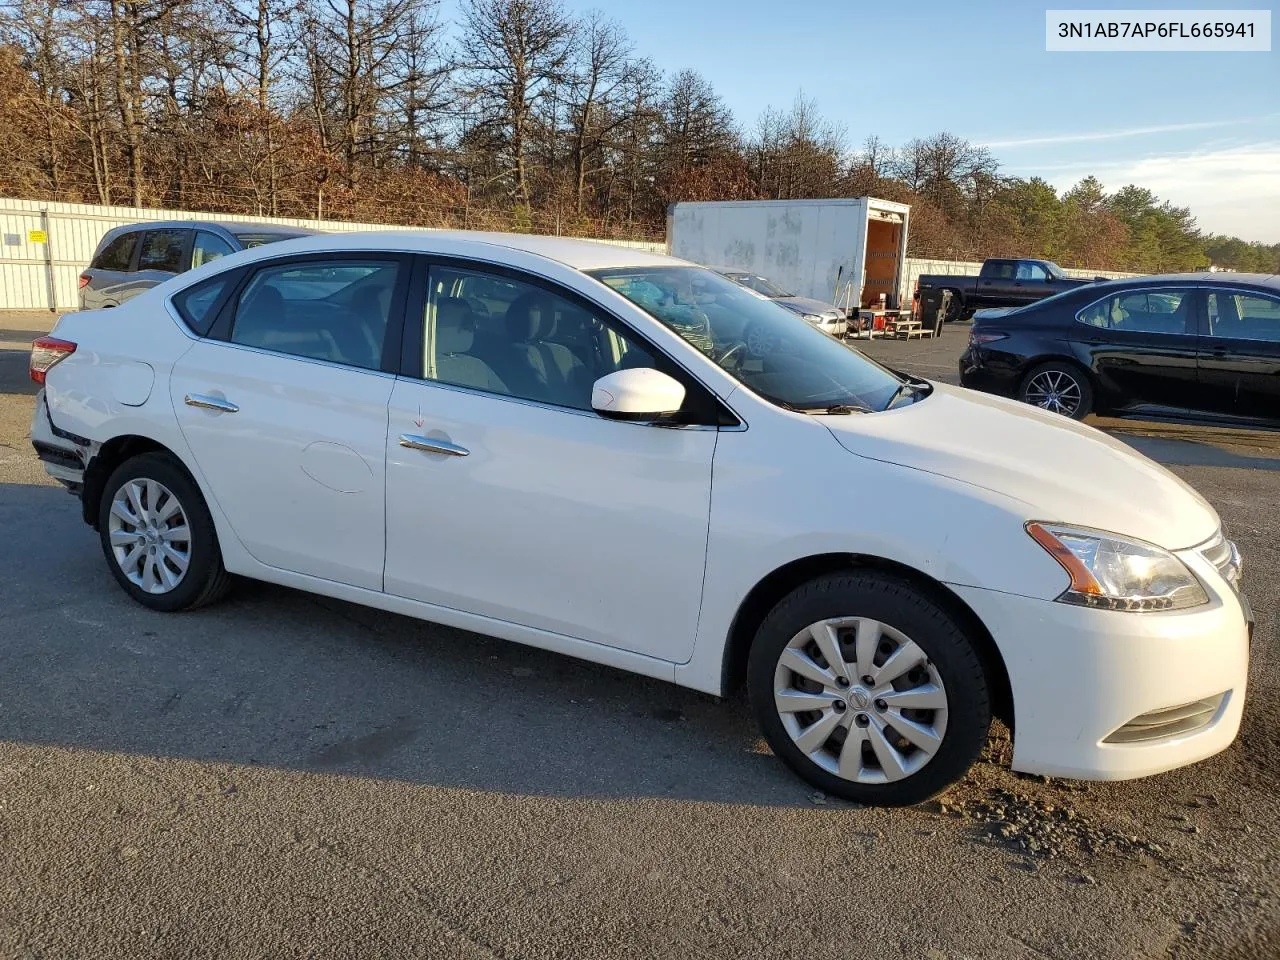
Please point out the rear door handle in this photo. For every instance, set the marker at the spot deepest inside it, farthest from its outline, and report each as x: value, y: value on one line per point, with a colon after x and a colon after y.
x: 432, y: 445
x: 210, y: 403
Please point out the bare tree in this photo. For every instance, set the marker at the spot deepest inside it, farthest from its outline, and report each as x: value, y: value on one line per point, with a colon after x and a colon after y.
x: 513, y: 50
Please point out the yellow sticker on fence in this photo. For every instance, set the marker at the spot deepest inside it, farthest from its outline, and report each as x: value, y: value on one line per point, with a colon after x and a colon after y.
x: 37, y: 236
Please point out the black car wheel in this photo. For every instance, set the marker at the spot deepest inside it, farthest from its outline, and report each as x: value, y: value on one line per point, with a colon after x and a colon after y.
x: 1059, y: 388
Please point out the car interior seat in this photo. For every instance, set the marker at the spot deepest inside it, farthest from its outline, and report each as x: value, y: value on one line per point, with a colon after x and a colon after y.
x: 453, y: 338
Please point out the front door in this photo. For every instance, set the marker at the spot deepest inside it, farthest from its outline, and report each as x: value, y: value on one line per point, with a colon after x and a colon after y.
x: 287, y: 415
x: 1142, y: 345
x: 509, y: 497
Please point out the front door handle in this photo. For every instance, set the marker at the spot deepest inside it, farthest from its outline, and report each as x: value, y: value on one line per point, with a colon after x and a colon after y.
x: 432, y: 445
x: 210, y: 403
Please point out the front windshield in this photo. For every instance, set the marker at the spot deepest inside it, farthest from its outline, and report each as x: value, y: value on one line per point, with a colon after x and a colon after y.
x: 765, y: 346
x: 759, y: 284
x: 1055, y: 271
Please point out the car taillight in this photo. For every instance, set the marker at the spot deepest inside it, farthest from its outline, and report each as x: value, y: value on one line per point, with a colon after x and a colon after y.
x: 84, y: 281
x: 46, y: 352
x: 976, y: 336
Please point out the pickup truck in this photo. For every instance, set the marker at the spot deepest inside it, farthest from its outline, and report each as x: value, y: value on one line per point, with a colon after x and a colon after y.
x: 1000, y: 283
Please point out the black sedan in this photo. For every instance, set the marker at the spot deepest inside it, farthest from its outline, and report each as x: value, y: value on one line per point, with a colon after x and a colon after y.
x: 1198, y: 345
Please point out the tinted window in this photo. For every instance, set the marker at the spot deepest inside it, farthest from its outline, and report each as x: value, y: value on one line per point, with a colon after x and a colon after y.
x: 195, y: 304
x: 118, y: 254
x: 1142, y: 311
x: 162, y: 250
x: 323, y: 310
x: 1000, y: 270
x: 1244, y: 316
x: 765, y: 346
x: 519, y: 340
x: 1031, y: 271
x: 208, y: 247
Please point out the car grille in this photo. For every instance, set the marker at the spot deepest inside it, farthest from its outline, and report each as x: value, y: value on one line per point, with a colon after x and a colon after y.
x: 1169, y: 722
x: 1224, y: 556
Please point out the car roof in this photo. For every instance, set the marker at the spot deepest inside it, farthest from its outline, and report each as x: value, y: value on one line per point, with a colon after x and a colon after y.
x: 1204, y: 276
x: 577, y: 254
x: 231, y: 226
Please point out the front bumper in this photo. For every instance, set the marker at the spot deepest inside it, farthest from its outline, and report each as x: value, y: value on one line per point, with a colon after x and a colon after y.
x: 1097, y: 694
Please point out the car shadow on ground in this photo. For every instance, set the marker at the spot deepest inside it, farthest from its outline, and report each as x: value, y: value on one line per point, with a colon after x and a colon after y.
x: 278, y: 677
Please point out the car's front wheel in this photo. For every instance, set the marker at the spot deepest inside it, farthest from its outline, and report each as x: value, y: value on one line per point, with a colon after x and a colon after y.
x: 869, y: 689
x: 158, y: 536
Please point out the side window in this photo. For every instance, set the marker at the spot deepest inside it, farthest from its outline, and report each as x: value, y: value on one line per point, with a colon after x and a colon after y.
x: 162, y: 250
x: 515, y: 339
x: 322, y: 310
x: 1142, y: 311
x: 1031, y: 271
x: 208, y: 247
x: 118, y: 254
x: 1244, y: 316
x: 195, y: 304
x: 1002, y: 270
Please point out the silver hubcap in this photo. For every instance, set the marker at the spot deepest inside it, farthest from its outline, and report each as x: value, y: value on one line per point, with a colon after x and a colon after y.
x: 150, y: 537
x: 860, y: 699
x: 1054, y: 390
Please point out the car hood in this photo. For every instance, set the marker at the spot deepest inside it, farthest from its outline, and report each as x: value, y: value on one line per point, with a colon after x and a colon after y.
x: 807, y: 305
x: 1062, y: 470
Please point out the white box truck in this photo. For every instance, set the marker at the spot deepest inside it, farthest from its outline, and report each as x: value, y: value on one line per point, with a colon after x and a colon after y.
x: 847, y: 252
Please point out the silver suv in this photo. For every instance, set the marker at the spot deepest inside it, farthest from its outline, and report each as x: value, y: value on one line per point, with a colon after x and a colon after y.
x: 138, y: 256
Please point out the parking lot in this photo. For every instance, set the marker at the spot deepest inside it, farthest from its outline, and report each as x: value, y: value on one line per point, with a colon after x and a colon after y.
x: 286, y: 775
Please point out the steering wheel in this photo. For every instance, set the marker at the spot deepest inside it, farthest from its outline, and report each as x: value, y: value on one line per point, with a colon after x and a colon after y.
x: 761, y: 341
x: 732, y: 352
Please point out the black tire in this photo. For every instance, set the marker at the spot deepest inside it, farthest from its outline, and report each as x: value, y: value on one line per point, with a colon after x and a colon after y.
x: 206, y: 580
x: 904, y: 607
x: 1055, y: 368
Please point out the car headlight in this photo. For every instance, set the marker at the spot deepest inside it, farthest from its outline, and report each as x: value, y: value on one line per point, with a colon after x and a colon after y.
x: 810, y: 317
x: 1115, y: 573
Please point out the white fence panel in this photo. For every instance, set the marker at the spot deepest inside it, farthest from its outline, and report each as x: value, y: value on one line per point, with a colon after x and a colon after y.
x: 74, y: 230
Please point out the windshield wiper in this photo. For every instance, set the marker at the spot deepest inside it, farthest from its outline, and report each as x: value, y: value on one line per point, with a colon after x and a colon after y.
x: 904, y: 388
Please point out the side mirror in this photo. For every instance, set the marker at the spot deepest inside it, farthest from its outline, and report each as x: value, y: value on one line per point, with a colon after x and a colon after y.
x: 639, y: 394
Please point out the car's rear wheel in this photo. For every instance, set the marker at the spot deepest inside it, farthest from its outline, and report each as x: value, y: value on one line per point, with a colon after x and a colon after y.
x: 869, y: 689
x: 1059, y: 388
x: 158, y: 536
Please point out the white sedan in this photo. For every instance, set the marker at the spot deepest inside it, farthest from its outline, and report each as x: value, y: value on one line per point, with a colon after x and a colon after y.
x: 585, y: 448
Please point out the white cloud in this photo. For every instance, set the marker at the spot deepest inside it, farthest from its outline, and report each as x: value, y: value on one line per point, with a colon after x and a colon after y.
x: 1116, y: 134
x: 1230, y: 189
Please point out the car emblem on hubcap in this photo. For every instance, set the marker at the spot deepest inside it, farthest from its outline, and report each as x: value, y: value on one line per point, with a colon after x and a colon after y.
x: 860, y: 698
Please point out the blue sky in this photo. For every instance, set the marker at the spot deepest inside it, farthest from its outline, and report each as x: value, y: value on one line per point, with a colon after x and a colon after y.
x: 1200, y: 129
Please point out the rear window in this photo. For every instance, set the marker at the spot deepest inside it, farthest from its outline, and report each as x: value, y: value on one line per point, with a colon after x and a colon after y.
x: 118, y: 254
x: 162, y: 250
x: 196, y: 304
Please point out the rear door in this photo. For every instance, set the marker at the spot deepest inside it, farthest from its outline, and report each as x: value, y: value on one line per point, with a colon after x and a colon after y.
x: 284, y: 406
x: 1240, y: 359
x: 1142, y: 345
x: 162, y: 254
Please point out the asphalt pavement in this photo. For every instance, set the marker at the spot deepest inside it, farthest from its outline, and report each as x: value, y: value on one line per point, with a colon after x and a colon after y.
x: 283, y: 775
